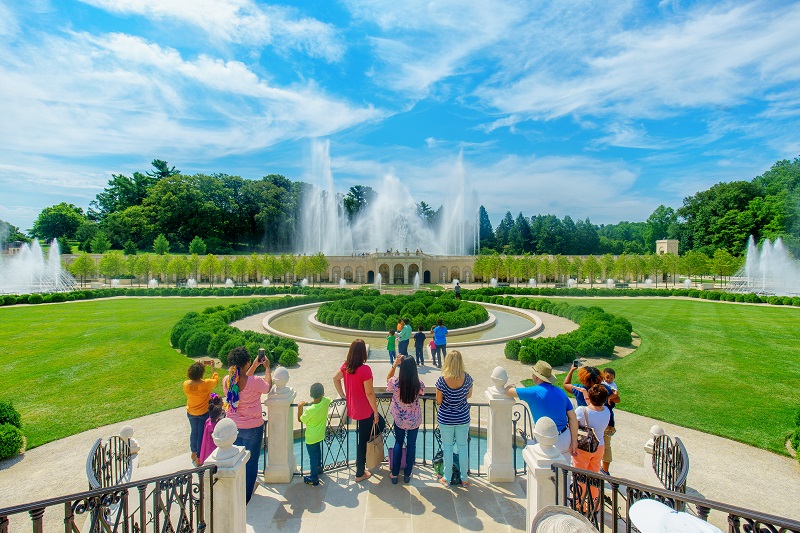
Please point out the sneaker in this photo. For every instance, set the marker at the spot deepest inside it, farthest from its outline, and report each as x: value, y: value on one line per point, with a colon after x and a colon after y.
x: 604, y: 472
x: 308, y: 481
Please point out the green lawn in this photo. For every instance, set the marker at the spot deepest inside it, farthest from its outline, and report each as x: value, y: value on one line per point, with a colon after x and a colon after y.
x: 77, y: 366
x: 731, y: 370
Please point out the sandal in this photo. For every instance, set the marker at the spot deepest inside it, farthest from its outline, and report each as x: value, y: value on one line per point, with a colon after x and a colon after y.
x: 443, y: 481
x: 465, y: 483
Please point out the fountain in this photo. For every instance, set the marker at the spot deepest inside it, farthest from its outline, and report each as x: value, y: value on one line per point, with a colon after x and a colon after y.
x: 265, y: 282
x: 648, y: 283
x: 416, y: 281
x: 191, y: 283
x: 687, y: 284
x: 610, y: 283
x: 571, y: 283
x: 389, y: 220
x: 378, y: 281
x: 342, y: 283
x: 532, y: 283
x: 153, y: 283
x: 493, y: 282
x: 229, y: 283
x: 28, y: 271
x: 115, y: 283
x: 769, y: 271
x: 304, y: 282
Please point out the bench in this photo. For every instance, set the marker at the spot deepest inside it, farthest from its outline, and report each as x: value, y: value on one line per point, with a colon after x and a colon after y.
x: 503, y: 285
x: 622, y: 285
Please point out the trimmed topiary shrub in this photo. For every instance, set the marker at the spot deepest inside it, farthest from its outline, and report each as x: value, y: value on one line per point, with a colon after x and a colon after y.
x: 512, y: 349
x: 10, y: 441
x: 527, y: 355
x: 197, y: 345
x: 288, y: 358
x: 9, y: 415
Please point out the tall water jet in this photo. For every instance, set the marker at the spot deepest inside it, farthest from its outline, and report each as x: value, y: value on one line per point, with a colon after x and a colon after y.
x: 768, y: 271
x: 532, y: 283
x: 389, y: 220
x: 29, y: 271
x: 342, y: 283
x: 610, y: 283
x: 687, y: 283
x: 378, y: 281
x: 153, y: 283
x: 571, y: 283
x: 229, y: 283
x: 416, y: 281
x: 265, y: 282
x: 493, y: 282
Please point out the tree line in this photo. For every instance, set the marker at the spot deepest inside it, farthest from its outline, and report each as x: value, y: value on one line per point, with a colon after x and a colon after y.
x: 232, y: 214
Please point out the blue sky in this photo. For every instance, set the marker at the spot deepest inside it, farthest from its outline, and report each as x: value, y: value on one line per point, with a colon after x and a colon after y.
x: 598, y: 109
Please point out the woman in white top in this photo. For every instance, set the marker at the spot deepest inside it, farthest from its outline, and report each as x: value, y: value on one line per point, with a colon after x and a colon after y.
x: 596, y: 416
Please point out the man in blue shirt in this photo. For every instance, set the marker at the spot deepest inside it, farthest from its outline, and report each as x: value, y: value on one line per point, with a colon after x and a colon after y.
x: 545, y: 399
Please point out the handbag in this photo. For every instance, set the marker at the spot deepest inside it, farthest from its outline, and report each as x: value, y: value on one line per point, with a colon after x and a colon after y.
x: 402, y: 459
x: 587, y: 439
x: 375, y: 450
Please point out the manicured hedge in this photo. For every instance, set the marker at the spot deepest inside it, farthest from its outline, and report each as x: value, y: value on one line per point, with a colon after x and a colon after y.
x: 371, y: 311
x: 11, y: 437
x: 597, y: 335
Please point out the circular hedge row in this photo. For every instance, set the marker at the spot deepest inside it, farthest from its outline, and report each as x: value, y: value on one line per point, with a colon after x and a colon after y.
x: 597, y: 335
x: 376, y: 312
x: 11, y: 438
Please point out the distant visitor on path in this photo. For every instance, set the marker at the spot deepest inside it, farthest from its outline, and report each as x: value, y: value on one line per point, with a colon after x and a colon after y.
x: 314, y: 415
x: 359, y: 395
x: 453, y: 389
x: 406, y: 413
x: 419, y: 345
x: 458, y: 291
x: 404, y: 337
x: 391, y: 341
x: 440, y: 339
x: 545, y: 399
x: 247, y: 416
x: 197, y: 391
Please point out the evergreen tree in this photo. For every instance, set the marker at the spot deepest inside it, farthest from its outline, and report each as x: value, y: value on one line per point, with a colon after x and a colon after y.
x: 485, y: 231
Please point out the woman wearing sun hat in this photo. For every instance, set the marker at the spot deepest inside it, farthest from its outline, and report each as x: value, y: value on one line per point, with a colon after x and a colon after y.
x: 545, y: 399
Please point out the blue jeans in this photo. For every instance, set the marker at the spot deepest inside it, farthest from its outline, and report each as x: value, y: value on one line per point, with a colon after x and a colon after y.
x: 392, y: 354
x: 438, y: 354
x: 420, y: 355
x: 403, y: 347
x: 314, y: 460
x: 251, y: 439
x: 410, y: 436
x: 460, y: 432
x: 197, y: 425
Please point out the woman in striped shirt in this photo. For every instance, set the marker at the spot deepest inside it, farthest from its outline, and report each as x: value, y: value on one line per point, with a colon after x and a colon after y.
x: 453, y: 389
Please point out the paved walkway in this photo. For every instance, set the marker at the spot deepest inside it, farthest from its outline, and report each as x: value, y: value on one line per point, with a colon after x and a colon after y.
x: 721, y: 469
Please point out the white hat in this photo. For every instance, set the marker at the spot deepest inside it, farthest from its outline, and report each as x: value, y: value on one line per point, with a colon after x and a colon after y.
x: 651, y: 516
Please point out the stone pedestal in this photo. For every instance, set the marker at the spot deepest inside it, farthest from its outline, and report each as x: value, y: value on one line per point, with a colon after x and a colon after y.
x: 281, y: 461
x: 230, y: 513
x: 655, y: 432
x: 539, y: 458
x: 498, y: 459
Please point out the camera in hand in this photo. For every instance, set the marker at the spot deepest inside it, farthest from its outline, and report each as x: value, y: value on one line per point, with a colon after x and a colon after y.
x: 576, y: 363
x: 262, y: 355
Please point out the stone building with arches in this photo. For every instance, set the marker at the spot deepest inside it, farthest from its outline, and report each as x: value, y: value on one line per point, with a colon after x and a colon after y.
x: 400, y: 268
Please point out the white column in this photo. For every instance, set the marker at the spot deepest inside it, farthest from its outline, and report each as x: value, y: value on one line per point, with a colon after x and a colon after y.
x: 498, y: 459
x: 230, y: 513
x: 281, y: 461
x: 538, y: 458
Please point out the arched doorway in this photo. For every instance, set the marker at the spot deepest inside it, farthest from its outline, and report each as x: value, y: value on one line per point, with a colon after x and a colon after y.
x: 370, y: 276
x: 413, y: 270
x: 426, y: 276
x: 455, y: 274
x: 467, y: 276
x: 443, y: 275
x: 384, y: 270
x: 399, y: 271
x: 336, y: 273
x: 348, y: 274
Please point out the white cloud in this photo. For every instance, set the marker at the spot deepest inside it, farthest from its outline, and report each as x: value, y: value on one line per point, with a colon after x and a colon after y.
x: 628, y: 135
x: 84, y: 95
x: 8, y: 21
x: 239, y: 21
x: 718, y: 56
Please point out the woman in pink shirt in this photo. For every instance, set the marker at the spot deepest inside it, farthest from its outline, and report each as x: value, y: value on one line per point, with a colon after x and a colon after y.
x: 359, y: 395
x: 247, y: 413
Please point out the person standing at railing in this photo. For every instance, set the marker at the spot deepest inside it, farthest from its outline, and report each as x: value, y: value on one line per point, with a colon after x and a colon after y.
x: 314, y: 415
x: 453, y: 389
x: 404, y: 337
x: 596, y: 416
x: 545, y: 399
x: 197, y: 391
x: 247, y: 414
x: 359, y: 395
x: 406, y: 413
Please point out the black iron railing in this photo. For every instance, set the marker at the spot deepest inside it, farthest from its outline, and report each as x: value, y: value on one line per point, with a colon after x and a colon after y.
x: 175, y: 502
x: 606, y: 502
x: 521, y: 433
x: 109, y: 463
x: 339, y: 445
x: 670, y: 463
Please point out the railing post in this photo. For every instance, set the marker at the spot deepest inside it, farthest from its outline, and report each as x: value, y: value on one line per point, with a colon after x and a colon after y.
x: 281, y: 461
x: 230, y: 513
x: 649, y: 449
x: 539, y: 458
x: 499, y: 458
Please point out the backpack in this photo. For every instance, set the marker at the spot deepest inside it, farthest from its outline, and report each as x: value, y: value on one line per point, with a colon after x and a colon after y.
x: 438, y: 467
